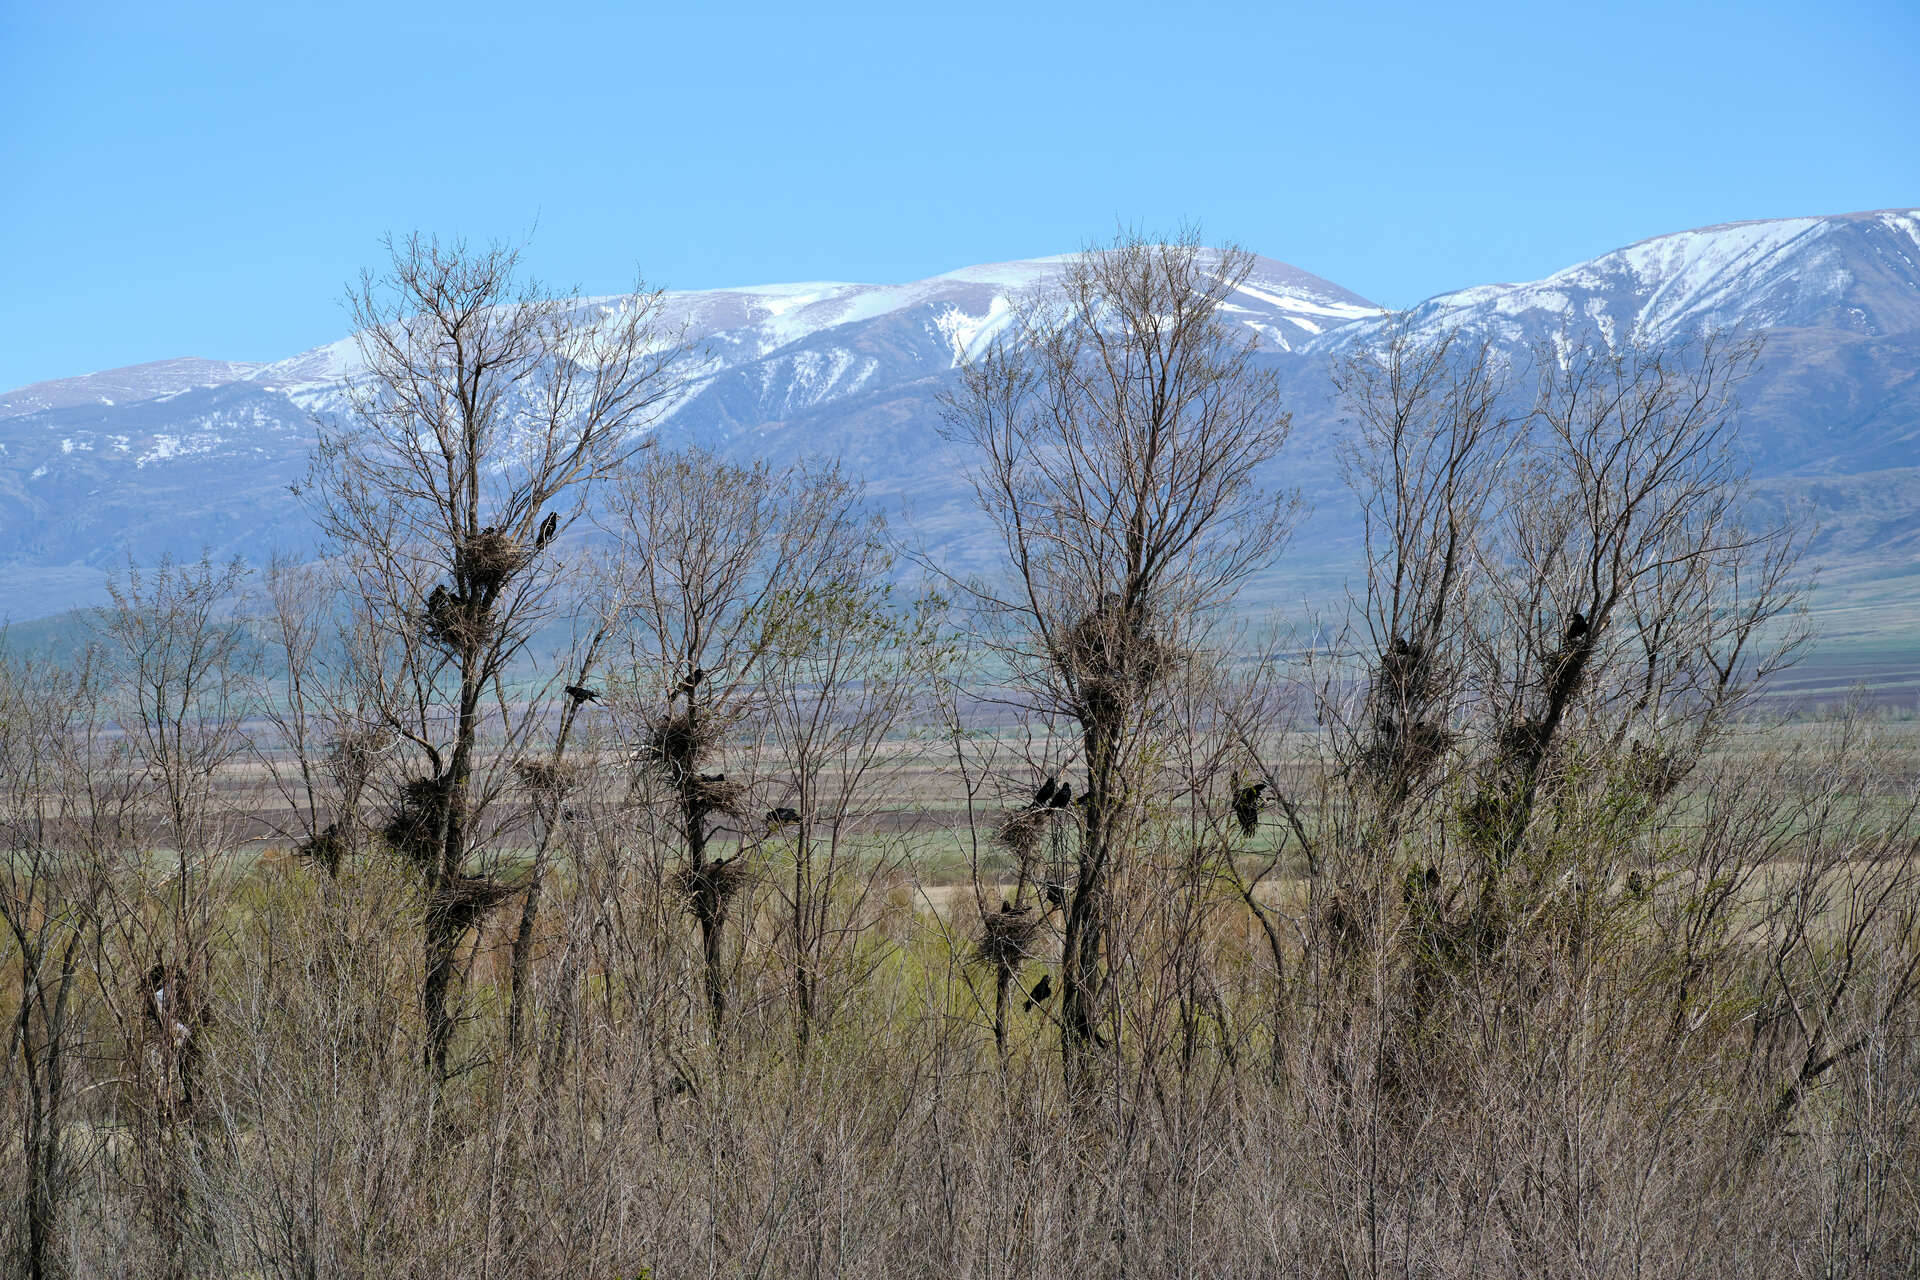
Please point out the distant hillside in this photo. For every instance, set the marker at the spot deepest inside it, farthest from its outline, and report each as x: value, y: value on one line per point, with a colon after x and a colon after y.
x: 181, y: 454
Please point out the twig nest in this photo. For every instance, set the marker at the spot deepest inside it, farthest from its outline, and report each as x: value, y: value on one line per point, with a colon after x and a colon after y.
x: 468, y: 899
x: 355, y: 754
x: 328, y: 847
x: 1114, y: 655
x: 1008, y: 937
x: 487, y: 559
x: 548, y: 779
x: 708, y: 889
x: 1406, y: 672
x: 413, y: 829
x: 1020, y: 830
x: 676, y: 744
x: 1410, y: 750
x: 1654, y: 771
x: 454, y: 621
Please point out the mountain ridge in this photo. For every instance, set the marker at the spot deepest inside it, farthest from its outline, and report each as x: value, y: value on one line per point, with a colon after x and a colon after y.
x: 172, y: 455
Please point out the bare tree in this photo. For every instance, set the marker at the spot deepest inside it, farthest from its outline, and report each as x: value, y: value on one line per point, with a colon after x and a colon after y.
x: 484, y: 411
x: 732, y: 570
x: 1629, y: 592
x: 1116, y: 429
x: 1425, y: 463
x: 50, y: 904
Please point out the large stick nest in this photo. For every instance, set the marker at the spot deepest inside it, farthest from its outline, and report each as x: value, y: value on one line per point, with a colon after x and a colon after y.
x: 1020, y: 830
x: 549, y: 780
x: 708, y: 889
x: 1114, y: 655
x: 467, y: 900
x: 1008, y: 937
x: 676, y: 745
x: 328, y: 847
x: 414, y: 828
x: 1409, y: 750
x: 487, y: 559
x: 456, y: 622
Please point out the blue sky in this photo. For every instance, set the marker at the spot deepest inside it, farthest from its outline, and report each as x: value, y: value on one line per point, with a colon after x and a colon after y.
x: 202, y: 179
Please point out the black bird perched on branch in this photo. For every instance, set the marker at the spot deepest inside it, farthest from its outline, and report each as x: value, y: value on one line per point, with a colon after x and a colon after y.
x: 548, y: 527
x: 1041, y: 993
x: 580, y: 694
x: 1045, y: 793
x: 1246, y: 804
x: 1576, y: 626
x: 1061, y: 798
x: 783, y: 816
x: 1055, y: 893
x: 691, y: 681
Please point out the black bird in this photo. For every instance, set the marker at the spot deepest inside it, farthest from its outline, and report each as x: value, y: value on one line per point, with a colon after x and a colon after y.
x: 782, y: 817
x: 1041, y: 993
x: 713, y: 777
x: 437, y: 599
x: 1433, y: 878
x: 1246, y: 806
x: 548, y: 527
x: 691, y: 681
x: 580, y: 694
x: 1063, y: 797
x: 1045, y: 793
x: 1576, y: 626
x: 1055, y: 893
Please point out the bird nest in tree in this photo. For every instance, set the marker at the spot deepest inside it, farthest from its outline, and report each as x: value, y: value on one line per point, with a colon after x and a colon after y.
x: 712, y: 793
x: 1406, y: 673
x: 1020, y: 830
x: 487, y: 559
x: 455, y: 622
x: 548, y: 779
x: 328, y: 847
x: 707, y: 889
x: 1411, y: 750
x: 414, y: 828
x: 467, y: 900
x: 676, y: 744
x: 355, y: 754
x: 1114, y: 655
x: 1008, y: 938
x: 1520, y: 740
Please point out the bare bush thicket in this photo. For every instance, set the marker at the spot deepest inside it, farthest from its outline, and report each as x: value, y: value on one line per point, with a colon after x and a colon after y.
x: 1473, y: 943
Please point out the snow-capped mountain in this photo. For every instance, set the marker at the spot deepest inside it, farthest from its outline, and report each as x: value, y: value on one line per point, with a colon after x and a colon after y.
x: 1854, y: 273
x: 183, y: 455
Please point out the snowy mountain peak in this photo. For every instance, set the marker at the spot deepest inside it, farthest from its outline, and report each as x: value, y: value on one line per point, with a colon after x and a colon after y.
x: 1858, y: 272
x: 183, y: 455
x: 131, y: 385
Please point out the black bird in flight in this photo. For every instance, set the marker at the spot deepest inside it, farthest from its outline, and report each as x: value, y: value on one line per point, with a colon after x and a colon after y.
x: 580, y: 694
x: 548, y: 528
x: 1041, y: 993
